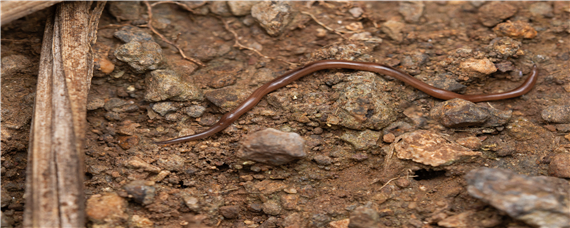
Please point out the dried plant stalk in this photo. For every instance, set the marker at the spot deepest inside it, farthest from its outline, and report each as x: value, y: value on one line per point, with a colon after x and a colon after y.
x: 54, y: 181
x: 12, y: 10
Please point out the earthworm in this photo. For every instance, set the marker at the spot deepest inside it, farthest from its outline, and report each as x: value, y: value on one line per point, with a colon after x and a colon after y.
x: 295, y: 74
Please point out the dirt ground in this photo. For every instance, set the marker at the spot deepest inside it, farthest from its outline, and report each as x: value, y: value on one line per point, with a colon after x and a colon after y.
x: 205, y: 183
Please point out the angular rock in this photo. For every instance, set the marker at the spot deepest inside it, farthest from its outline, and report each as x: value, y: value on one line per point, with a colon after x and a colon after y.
x: 171, y: 162
x: 522, y: 129
x: 125, y: 11
x: 15, y: 63
x: 273, y: 16
x: 140, y: 55
x: 393, y: 29
x: 271, y: 207
x: 107, y: 209
x: 166, y: 84
x: 273, y: 147
x: 141, y: 191
x: 194, y: 110
x: 493, y: 13
x: 227, y: 98
x: 459, y: 113
x: 516, y: 29
x: 430, y: 148
x: 220, y: 8
x: 412, y: 11
x: 362, y: 140
x: 225, y: 75
x: 137, y: 221
x: 119, y: 105
x: 241, y: 8
x: 536, y: 200
x: 505, y: 46
x: 131, y: 33
x: 557, y: 114
x: 163, y: 108
x: 230, y: 212
x: 478, y: 66
x: 364, y: 217
x: 560, y: 165
x: 542, y: 9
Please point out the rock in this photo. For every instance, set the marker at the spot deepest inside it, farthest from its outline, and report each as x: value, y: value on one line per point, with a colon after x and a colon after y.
x: 483, y: 66
x: 125, y: 11
x: 564, y: 128
x: 444, y: 81
x: 225, y: 75
x: 230, y: 212
x: 536, y: 200
x: 412, y: 11
x: 163, y: 108
x: 271, y: 207
x: 364, y: 217
x: 516, y: 29
x: 15, y: 63
x: 430, y: 148
x: 393, y: 29
x: 293, y: 220
x: 463, y: 219
x: 273, y: 16
x: 362, y: 140
x: 194, y: 110
x: 120, y: 105
x: 192, y: 202
x: 320, y: 220
x: 541, y: 9
x: 339, y: 223
x: 241, y: 8
x: 268, y: 187
x: 5, y: 198
x: 137, y: 221
x: 141, y: 191
x: 126, y: 141
x: 459, y: 113
x: 95, y: 103
x: 208, y: 52
x: 505, y: 66
x: 227, y: 98
x: 505, y: 47
x: 219, y: 8
x: 289, y: 201
x: 557, y: 114
x: 560, y: 165
x: 473, y: 143
x: 356, y: 12
x: 273, y: 147
x: 108, y: 209
x: 522, y: 129
x: 323, y: 160
x: 493, y: 13
x: 366, y: 37
x: 415, y: 60
x: 363, y: 103
x: 140, y: 55
x: 131, y: 33
x: 137, y: 163
x: 166, y: 84
x: 171, y: 162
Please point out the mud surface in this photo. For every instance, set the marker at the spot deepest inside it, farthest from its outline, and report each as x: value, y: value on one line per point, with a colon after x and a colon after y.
x: 143, y: 91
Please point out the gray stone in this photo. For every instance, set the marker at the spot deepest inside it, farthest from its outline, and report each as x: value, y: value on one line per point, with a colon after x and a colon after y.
x: 323, y: 160
x: 140, y: 55
x: 560, y: 165
x: 536, y: 200
x: 273, y: 16
x: 393, y: 29
x: 557, y: 114
x: 171, y: 162
x: 505, y: 46
x: 194, y: 110
x: 273, y: 147
x: 141, y: 191
x: 15, y: 63
x: 364, y: 217
x: 230, y: 212
x: 227, y: 98
x: 543, y: 9
x: 459, y: 113
x: 119, y: 105
x: 131, y: 33
x: 166, y: 84
x: 362, y: 140
x: 412, y: 11
x: 271, y: 207
x: 219, y: 8
x: 493, y: 13
x: 163, y: 108
x: 127, y: 10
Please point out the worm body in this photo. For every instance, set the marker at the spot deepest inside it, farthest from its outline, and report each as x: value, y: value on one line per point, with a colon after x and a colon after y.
x: 295, y: 74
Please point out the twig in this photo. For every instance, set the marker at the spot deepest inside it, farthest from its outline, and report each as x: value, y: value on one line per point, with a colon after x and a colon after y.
x: 149, y: 11
x: 186, y: 7
x: 324, y: 26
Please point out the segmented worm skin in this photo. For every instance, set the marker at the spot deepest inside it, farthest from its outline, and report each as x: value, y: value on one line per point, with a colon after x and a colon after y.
x: 295, y: 74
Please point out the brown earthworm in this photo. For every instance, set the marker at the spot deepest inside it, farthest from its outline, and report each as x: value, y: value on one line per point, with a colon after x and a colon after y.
x: 295, y: 74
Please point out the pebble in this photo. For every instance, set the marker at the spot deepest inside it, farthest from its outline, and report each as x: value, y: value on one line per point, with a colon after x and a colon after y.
x: 268, y: 187
x: 560, y: 165
x: 473, y: 143
x: 459, y: 113
x: 118, y: 105
x: 505, y: 66
x: 15, y: 63
x: 125, y: 11
x: 323, y: 160
x: 515, y: 29
x: 293, y: 220
x: 95, y: 103
x: 108, y: 208
x: 320, y: 220
x: 463, y: 219
x: 393, y: 29
x: 193, y: 203
x: 364, y: 217
x: 132, y: 33
x: 141, y: 191
x: 140, y: 55
x: 137, y: 221
x: 163, y: 108
x: 171, y: 162
x: 273, y: 16
x: 166, y: 84
x: 362, y: 103
x: 483, y: 66
x: 541, y: 9
x: 136, y: 162
x: 226, y: 98
x: 430, y: 148
x: 539, y: 201
x: 493, y: 13
x: 339, y: 223
x: 556, y: 114
x: 362, y: 140
x: 271, y: 207
x: 224, y: 75
x: 126, y: 142
x: 219, y: 8
x: 194, y: 110
x: 564, y: 128
x: 5, y: 198
x: 273, y: 147
x: 230, y: 212
x: 522, y: 129
x: 289, y: 201
x: 412, y: 11
x: 356, y: 12
x: 241, y: 8
x: 505, y: 46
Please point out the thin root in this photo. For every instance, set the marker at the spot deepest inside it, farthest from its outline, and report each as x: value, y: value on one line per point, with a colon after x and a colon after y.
x: 324, y: 26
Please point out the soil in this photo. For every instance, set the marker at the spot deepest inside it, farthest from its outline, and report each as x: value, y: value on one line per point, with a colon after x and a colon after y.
x: 206, y: 183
